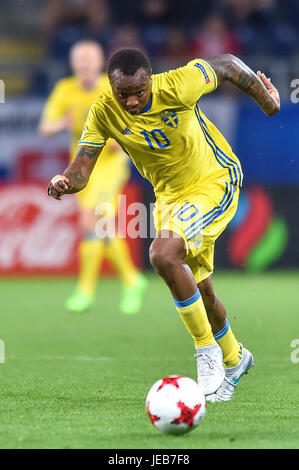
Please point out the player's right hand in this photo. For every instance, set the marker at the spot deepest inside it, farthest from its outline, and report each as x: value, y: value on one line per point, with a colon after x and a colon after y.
x: 57, y: 186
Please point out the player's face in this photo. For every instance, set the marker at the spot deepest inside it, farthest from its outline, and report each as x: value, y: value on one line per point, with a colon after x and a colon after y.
x: 132, y: 92
x: 87, y: 61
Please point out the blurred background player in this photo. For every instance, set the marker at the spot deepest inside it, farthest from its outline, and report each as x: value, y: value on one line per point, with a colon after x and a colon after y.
x: 66, y: 109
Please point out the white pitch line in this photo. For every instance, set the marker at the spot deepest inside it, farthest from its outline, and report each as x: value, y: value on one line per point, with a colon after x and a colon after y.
x: 61, y: 358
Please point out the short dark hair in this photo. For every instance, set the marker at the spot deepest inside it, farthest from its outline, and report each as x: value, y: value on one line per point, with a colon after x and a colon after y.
x: 128, y: 61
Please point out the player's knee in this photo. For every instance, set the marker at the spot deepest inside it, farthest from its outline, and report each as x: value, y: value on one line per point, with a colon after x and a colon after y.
x: 162, y: 260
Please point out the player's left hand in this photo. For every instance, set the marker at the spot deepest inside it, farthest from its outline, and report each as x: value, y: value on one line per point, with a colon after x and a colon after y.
x: 270, y: 87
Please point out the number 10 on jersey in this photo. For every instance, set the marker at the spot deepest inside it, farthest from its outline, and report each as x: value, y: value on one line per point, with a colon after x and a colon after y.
x: 156, y: 136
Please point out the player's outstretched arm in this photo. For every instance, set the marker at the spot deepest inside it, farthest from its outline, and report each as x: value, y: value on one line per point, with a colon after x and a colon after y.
x: 49, y: 128
x: 77, y: 174
x: 229, y: 68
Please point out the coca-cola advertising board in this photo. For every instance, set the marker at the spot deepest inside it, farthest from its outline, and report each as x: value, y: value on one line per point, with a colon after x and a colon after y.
x: 40, y: 236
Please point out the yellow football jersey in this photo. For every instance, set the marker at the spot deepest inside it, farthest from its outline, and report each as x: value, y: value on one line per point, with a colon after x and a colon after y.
x: 70, y: 98
x: 171, y: 142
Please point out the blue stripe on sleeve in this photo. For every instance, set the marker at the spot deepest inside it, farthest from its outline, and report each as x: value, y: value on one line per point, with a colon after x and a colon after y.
x: 91, y: 143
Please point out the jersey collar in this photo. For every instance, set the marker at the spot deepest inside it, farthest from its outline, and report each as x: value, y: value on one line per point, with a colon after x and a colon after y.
x: 148, y: 107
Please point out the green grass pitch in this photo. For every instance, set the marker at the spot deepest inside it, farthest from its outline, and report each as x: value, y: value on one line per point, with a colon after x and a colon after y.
x: 80, y: 381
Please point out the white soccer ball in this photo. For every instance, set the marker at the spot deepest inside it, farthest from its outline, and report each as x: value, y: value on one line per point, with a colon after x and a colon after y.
x: 175, y: 404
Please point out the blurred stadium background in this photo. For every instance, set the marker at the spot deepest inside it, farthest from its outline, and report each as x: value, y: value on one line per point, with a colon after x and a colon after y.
x: 36, y: 36
x: 81, y: 380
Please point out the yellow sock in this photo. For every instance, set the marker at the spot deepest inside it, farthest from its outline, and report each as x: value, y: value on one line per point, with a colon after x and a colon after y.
x: 193, y: 314
x: 118, y: 253
x: 90, y: 254
x: 230, y: 347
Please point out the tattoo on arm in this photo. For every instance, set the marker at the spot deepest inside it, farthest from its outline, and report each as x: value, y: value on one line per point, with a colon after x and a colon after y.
x: 79, y: 171
x: 77, y: 179
x: 229, y: 68
x: 90, y: 152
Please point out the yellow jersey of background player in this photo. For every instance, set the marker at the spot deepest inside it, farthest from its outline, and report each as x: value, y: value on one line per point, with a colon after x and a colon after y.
x: 67, y: 108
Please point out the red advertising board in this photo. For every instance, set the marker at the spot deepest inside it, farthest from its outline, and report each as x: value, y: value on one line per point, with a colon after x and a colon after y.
x: 40, y: 236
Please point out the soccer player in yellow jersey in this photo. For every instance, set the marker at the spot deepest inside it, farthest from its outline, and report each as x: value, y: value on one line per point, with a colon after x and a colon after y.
x: 196, y: 176
x: 67, y: 108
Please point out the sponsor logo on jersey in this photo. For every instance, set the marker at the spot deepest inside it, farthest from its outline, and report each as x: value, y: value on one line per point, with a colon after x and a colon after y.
x: 204, y: 72
x: 127, y: 131
x: 170, y: 118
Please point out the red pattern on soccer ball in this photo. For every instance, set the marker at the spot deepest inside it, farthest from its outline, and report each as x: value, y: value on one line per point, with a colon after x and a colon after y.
x: 153, y: 418
x: 187, y: 414
x: 170, y: 381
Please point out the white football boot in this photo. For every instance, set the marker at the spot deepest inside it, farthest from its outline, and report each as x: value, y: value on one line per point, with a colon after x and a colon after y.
x: 210, y: 370
x: 232, y: 376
